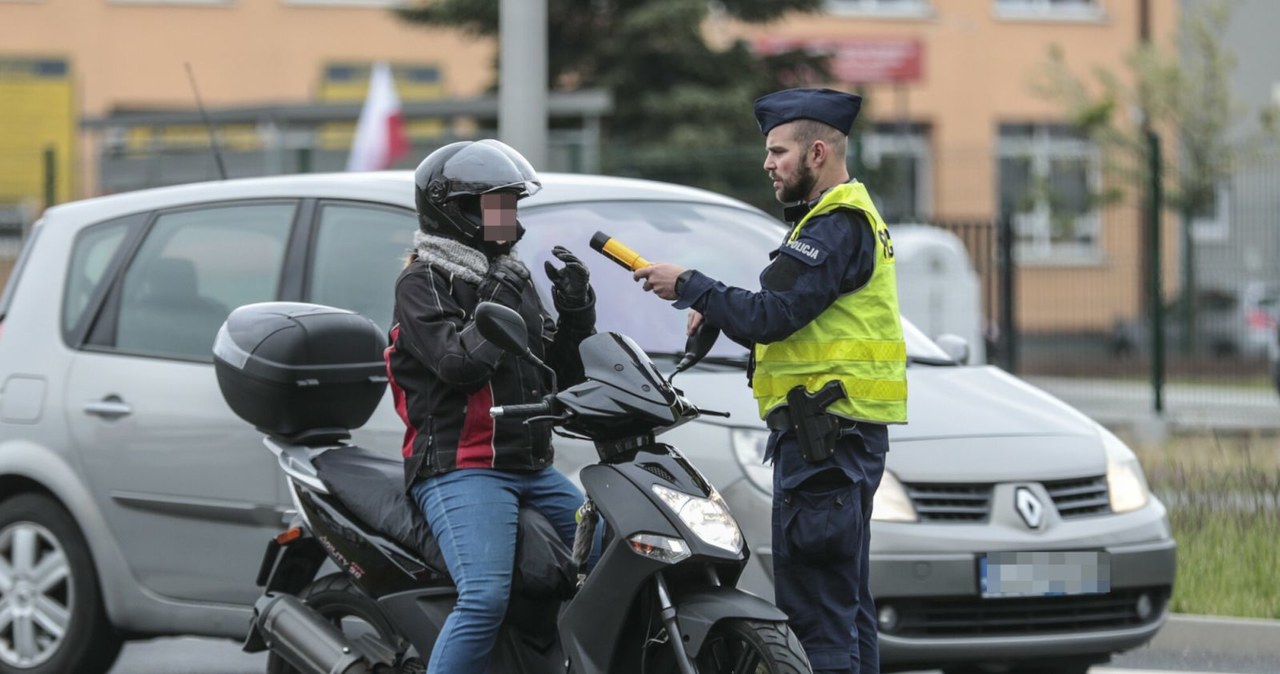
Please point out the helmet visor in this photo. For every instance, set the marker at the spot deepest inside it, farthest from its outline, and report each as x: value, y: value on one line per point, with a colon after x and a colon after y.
x: 490, y: 166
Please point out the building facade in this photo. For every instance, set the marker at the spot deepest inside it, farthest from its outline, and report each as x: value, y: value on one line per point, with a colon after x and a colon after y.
x: 65, y: 61
x: 950, y: 87
x: 958, y: 133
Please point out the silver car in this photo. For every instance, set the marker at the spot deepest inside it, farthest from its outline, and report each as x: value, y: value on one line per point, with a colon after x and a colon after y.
x: 1008, y: 529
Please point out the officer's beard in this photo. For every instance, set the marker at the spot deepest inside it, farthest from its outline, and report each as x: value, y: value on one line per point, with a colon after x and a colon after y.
x: 801, y: 187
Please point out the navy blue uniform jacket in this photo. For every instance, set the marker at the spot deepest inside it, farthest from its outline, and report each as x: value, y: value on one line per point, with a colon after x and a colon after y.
x: 834, y: 255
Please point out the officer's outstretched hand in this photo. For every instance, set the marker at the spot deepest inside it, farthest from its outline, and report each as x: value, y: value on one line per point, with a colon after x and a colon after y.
x: 660, y: 278
x: 571, y: 284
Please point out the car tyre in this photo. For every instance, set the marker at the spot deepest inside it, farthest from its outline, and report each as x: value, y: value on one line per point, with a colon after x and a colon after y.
x: 52, y: 587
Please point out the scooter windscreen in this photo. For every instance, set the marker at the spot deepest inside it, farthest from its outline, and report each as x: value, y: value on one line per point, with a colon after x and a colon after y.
x: 622, y: 385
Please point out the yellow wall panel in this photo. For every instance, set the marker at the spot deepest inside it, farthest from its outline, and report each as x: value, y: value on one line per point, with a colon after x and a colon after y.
x: 37, y: 111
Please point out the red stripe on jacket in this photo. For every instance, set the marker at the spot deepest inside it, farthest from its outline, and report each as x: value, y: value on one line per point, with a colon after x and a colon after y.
x: 475, y: 444
x: 397, y: 395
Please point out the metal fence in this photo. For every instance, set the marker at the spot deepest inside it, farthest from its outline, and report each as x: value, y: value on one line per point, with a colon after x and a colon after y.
x: 1066, y: 275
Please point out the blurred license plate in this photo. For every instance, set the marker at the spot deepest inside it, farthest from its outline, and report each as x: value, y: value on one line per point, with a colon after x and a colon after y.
x: 1044, y: 574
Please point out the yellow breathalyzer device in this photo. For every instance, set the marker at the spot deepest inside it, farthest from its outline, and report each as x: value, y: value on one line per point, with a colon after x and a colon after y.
x: 617, y: 251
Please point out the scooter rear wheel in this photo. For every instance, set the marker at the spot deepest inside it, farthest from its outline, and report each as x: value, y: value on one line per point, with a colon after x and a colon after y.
x: 752, y: 647
x: 337, y: 599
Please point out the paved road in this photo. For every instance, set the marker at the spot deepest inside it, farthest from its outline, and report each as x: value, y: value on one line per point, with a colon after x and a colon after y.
x: 204, y: 656
x: 1187, y: 644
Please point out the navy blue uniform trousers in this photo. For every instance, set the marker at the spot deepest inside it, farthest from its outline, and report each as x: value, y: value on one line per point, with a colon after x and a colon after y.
x: 821, y: 545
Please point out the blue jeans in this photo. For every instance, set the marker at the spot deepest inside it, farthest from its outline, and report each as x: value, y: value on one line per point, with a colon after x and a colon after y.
x: 473, y: 513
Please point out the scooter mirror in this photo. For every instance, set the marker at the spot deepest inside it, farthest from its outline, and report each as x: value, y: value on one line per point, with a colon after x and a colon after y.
x: 504, y: 327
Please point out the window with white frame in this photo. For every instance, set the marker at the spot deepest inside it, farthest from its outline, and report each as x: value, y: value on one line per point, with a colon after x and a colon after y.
x: 1049, y: 175
x: 899, y: 171
x: 885, y: 8
x: 1049, y: 9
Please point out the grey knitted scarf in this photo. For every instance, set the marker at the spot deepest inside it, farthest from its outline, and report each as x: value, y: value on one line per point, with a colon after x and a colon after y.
x: 453, y: 257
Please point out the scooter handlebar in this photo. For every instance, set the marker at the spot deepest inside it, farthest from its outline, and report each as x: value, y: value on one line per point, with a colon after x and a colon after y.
x: 522, y: 410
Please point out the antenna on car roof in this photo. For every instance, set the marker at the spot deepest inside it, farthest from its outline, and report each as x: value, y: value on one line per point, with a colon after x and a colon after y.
x: 213, y: 140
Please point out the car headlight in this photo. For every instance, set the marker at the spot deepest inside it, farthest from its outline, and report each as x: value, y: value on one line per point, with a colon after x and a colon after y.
x: 1126, y: 484
x: 707, y: 518
x: 891, y: 503
x: 748, y: 448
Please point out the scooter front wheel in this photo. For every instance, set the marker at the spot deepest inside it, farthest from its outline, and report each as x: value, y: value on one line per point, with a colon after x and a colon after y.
x: 752, y: 647
x: 338, y: 600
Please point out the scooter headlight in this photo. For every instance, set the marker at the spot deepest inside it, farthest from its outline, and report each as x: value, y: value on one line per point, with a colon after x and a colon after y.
x: 707, y: 518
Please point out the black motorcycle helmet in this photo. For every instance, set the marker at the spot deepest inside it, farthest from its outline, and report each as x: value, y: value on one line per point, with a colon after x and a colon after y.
x: 449, y: 182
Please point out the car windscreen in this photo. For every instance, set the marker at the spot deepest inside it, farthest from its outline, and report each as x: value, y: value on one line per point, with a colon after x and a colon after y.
x: 731, y: 245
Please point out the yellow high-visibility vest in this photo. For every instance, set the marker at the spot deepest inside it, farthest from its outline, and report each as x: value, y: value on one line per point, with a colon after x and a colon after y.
x: 857, y: 340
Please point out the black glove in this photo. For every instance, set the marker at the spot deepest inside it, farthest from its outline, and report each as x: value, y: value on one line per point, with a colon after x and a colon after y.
x: 571, y: 284
x: 505, y: 282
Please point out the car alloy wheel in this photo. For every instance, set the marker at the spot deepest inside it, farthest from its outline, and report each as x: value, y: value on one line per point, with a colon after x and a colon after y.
x: 52, y: 619
x: 36, y: 595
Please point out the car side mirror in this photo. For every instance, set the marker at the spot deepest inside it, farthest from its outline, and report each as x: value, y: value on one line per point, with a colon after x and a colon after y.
x: 504, y: 327
x: 955, y: 346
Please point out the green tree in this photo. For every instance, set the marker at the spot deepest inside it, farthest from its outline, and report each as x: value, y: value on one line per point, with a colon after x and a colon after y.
x: 1184, y: 93
x: 680, y: 103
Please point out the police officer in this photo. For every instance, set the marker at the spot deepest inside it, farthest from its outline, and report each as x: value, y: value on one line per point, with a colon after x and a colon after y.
x: 829, y: 370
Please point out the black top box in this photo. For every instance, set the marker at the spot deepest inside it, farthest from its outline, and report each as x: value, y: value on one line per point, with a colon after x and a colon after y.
x: 297, y: 370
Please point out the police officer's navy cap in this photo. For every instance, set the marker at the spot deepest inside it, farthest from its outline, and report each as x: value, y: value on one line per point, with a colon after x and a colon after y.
x: 833, y: 108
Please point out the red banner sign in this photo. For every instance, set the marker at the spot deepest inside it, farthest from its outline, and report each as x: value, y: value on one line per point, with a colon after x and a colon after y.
x: 858, y: 60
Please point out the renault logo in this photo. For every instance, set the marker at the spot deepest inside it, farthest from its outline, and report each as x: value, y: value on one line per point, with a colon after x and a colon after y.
x: 1029, y: 507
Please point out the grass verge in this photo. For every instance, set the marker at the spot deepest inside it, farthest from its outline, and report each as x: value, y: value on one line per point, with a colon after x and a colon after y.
x: 1223, y: 496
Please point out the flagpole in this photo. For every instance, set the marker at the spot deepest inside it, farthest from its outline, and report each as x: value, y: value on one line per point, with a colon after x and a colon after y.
x: 522, y: 81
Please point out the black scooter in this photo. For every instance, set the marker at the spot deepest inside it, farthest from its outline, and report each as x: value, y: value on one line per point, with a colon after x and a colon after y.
x: 661, y: 598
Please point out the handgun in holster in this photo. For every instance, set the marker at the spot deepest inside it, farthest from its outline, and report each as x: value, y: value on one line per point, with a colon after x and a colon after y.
x: 816, y: 431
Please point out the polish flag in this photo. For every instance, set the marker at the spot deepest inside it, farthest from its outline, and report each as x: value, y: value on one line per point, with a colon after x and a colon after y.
x: 380, y: 137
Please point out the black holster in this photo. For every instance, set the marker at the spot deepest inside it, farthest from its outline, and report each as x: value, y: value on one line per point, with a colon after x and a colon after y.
x: 816, y: 431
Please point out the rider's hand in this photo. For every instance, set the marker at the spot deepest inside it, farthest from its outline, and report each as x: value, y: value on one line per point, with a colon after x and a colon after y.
x: 571, y: 284
x: 505, y: 282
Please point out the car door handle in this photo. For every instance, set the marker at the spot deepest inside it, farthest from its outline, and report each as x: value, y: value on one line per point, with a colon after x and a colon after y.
x: 110, y: 407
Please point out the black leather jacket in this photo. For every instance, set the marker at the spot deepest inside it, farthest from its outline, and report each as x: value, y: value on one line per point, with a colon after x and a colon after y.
x: 445, y: 376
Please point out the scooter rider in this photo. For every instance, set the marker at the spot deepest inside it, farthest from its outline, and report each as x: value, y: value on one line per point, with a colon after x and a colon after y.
x: 468, y: 472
